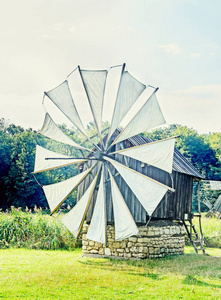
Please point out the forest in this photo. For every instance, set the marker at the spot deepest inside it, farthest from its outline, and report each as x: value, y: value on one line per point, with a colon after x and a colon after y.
x: 19, y: 187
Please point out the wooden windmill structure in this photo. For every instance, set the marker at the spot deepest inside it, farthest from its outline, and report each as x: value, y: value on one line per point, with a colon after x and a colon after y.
x: 125, y: 179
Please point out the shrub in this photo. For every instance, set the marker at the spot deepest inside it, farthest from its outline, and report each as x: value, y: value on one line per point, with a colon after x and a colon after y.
x: 34, y: 230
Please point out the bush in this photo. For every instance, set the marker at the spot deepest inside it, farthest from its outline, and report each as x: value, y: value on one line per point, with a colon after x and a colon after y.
x: 34, y: 230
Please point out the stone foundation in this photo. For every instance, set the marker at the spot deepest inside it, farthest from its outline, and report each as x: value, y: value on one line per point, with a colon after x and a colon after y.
x: 158, y: 239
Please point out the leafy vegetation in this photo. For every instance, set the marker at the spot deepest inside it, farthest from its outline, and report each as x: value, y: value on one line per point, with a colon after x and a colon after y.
x: 203, y: 151
x: 33, y: 230
x: 34, y: 274
x: 19, y: 188
x: 37, y: 230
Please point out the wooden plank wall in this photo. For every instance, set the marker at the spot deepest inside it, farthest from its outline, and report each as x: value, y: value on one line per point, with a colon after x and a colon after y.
x: 173, y: 205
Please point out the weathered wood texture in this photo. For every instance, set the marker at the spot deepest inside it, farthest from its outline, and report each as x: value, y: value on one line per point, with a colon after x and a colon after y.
x: 173, y: 205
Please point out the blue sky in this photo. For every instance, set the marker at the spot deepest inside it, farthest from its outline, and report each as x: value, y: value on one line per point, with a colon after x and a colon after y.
x: 171, y: 44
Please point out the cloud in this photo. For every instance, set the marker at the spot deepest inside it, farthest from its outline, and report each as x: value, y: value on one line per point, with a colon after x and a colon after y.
x: 171, y: 48
x: 197, y: 106
x: 72, y: 29
x: 195, y: 55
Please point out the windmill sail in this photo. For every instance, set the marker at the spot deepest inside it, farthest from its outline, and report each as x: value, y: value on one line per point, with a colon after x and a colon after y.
x: 88, y: 88
x: 44, y: 164
x: 62, y: 98
x: 130, y: 89
x: 97, y: 228
x: 215, y: 185
x: 51, y: 130
x: 73, y: 220
x: 124, y: 222
x: 148, y: 191
x: 158, y: 154
x: 57, y: 193
x: 148, y: 117
x: 94, y: 83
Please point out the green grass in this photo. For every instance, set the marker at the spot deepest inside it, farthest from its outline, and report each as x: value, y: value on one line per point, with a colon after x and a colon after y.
x: 40, y: 274
x: 211, y: 231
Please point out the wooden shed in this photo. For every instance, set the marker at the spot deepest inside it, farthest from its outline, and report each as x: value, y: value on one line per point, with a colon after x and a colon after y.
x: 175, y: 206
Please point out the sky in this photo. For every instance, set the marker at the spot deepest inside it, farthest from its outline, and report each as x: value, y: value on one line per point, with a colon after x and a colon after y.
x: 170, y: 44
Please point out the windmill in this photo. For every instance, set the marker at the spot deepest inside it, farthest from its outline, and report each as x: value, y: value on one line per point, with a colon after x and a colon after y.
x: 130, y: 114
x: 206, y: 187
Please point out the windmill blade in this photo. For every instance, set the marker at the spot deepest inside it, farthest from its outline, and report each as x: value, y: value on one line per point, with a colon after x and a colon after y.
x: 130, y: 89
x: 97, y: 228
x: 148, y: 117
x: 62, y: 98
x: 74, y: 219
x: 148, y: 191
x: 58, y: 192
x: 158, y: 154
x: 44, y: 164
x: 51, y: 130
x: 94, y: 83
x: 215, y: 185
x: 124, y: 222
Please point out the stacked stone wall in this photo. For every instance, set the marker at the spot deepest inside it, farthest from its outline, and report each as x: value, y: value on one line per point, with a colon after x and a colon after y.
x: 158, y: 239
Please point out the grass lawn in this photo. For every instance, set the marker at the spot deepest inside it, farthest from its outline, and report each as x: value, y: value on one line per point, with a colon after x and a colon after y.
x: 40, y: 274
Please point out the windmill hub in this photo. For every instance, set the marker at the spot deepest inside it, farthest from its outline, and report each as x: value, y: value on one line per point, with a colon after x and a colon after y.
x: 99, y: 155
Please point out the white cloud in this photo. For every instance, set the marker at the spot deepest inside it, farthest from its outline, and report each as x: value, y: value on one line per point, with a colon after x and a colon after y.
x: 171, y: 48
x: 195, y: 55
x: 72, y: 29
x: 198, y: 107
x: 59, y: 26
x: 25, y: 111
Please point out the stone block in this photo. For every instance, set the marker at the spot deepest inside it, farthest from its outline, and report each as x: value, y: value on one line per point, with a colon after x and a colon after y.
x: 120, y: 250
x: 116, y: 245
x: 146, y: 240
x: 101, y: 251
x: 107, y: 251
x: 93, y: 251
x: 151, y: 250
x: 123, y: 245
x: 133, y: 239
x: 130, y: 244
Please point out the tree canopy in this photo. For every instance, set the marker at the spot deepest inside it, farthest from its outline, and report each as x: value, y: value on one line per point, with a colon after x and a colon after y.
x: 19, y: 188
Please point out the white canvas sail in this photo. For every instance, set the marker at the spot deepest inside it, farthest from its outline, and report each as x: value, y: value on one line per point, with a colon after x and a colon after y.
x: 148, y: 191
x: 73, y: 220
x: 148, y: 117
x: 130, y: 89
x: 44, y: 164
x: 97, y: 228
x: 62, y: 98
x: 51, y: 130
x: 57, y: 193
x: 215, y: 185
x: 123, y: 220
x: 158, y: 154
x: 94, y: 83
